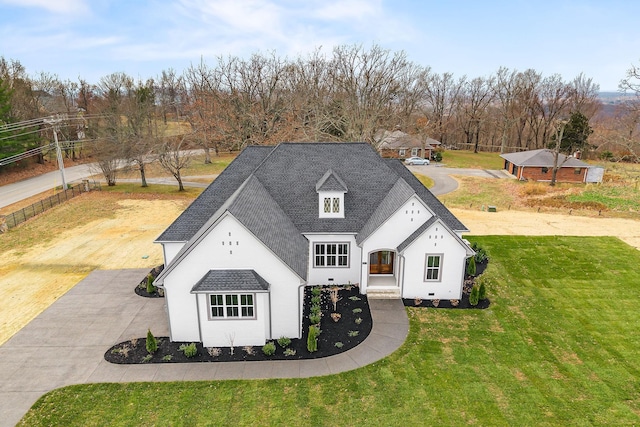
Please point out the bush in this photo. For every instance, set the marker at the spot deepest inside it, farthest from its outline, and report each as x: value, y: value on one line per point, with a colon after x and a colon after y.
x: 150, y: 288
x: 314, y: 319
x: 152, y: 344
x: 481, y: 254
x: 269, y: 348
x: 474, y: 296
x: 471, y: 266
x: 315, y: 300
x: 189, y: 350
x: 284, y: 342
x: 315, y: 309
x: 437, y: 156
x: 316, y: 290
x: 312, y: 339
x: 290, y: 352
x: 482, y: 291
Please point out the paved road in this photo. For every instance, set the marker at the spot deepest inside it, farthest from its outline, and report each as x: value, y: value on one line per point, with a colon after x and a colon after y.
x: 441, y: 175
x: 65, y: 344
x: 12, y: 193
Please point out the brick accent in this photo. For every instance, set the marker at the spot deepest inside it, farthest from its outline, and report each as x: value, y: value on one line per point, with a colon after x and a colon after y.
x: 565, y: 174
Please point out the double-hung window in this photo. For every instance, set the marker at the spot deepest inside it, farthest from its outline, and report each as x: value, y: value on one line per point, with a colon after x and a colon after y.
x: 331, y: 255
x: 433, y: 268
x: 232, y: 306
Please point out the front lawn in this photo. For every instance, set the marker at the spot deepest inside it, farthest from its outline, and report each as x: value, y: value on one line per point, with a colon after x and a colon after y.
x: 558, y: 346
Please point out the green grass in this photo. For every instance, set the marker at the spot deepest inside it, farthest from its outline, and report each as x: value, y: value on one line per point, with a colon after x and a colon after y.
x: 613, y: 197
x: 425, y: 180
x: 475, y: 192
x: 558, y: 346
x: 469, y: 159
x: 129, y: 188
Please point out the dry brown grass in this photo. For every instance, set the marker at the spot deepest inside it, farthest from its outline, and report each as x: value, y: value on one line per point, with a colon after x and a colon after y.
x: 49, y: 254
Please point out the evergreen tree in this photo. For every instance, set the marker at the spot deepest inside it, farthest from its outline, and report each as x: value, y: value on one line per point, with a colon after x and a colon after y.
x: 575, y: 136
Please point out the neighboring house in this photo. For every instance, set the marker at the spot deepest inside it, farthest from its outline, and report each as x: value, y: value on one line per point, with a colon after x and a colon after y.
x: 537, y: 165
x: 280, y: 218
x: 400, y: 145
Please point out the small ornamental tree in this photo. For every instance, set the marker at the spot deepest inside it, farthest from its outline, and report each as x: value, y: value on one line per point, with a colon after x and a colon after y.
x: 471, y: 266
x: 152, y: 344
x: 312, y: 339
x: 482, y: 291
x: 150, y: 288
x: 474, y: 296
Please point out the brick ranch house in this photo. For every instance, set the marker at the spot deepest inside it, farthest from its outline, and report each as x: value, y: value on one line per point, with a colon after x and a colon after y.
x: 537, y: 165
x: 400, y: 145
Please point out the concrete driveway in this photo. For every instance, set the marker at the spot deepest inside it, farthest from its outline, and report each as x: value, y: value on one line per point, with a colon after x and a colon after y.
x: 441, y: 175
x: 65, y: 344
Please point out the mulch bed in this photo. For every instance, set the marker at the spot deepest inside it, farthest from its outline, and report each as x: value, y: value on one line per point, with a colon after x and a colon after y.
x: 141, y: 288
x: 134, y: 351
x: 463, y: 303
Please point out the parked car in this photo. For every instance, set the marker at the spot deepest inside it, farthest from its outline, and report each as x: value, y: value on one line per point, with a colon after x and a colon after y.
x: 416, y: 161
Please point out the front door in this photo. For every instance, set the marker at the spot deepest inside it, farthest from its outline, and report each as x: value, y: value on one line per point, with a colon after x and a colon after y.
x: 381, y: 262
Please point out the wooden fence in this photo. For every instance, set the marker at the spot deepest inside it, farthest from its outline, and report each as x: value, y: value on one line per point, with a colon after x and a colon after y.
x: 18, y: 217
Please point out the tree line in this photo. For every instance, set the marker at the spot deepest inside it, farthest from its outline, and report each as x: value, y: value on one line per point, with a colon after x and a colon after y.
x: 348, y: 94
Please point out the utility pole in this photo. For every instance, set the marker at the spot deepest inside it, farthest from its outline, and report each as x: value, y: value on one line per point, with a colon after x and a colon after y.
x: 54, y: 125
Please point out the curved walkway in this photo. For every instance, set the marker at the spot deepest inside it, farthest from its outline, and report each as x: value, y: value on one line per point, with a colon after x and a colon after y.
x: 65, y: 344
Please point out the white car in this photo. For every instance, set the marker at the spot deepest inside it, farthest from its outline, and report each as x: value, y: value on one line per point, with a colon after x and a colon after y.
x: 416, y: 161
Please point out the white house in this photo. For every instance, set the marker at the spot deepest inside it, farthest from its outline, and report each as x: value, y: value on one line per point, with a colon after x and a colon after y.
x: 300, y: 214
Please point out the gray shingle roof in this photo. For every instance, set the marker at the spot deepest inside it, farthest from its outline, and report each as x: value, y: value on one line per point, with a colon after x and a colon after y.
x: 416, y: 233
x: 399, y: 194
x: 542, y: 158
x: 271, y: 190
x: 427, y: 197
x: 331, y: 182
x: 230, y: 280
x: 254, y: 207
x: 212, y: 198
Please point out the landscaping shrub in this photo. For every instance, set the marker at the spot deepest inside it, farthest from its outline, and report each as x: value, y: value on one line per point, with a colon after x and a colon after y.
x: 314, y: 318
x: 437, y: 156
x: 269, y: 348
x: 290, y: 352
x: 189, y: 350
x: 482, y: 291
x: 474, y: 296
x: 312, y: 339
x: 316, y: 290
x: 471, y: 266
x: 284, y: 342
x: 315, y: 309
x: 481, y: 254
x: 152, y: 344
x: 150, y: 288
x: 315, y: 300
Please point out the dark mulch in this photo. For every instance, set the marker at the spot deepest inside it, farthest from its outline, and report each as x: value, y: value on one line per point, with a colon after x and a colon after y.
x: 141, y: 288
x: 332, y: 333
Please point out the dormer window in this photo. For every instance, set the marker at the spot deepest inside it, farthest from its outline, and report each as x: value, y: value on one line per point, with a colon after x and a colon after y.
x: 331, y: 190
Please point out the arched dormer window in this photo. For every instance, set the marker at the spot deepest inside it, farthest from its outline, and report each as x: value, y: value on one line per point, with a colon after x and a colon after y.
x: 331, y: 190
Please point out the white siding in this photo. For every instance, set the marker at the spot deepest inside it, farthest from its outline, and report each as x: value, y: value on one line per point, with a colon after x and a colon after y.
x: 244, y: 332
x: 435, y: 240
x: 393, y: 231
x: 334, y: 275
x: 231, y: 246
x: 170, y: 250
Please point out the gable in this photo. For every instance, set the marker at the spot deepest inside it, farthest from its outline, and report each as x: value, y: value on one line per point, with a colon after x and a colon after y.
x: 214, y: 196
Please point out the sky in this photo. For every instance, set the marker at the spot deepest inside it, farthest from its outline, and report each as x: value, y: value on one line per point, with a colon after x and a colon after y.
x: 90, y: 39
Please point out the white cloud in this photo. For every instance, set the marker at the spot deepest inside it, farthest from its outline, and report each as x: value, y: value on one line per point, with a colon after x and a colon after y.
x: 71, y: 7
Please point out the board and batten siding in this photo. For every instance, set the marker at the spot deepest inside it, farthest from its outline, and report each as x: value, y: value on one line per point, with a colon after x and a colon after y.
x: 229, y: 245
x: 436, y: 240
